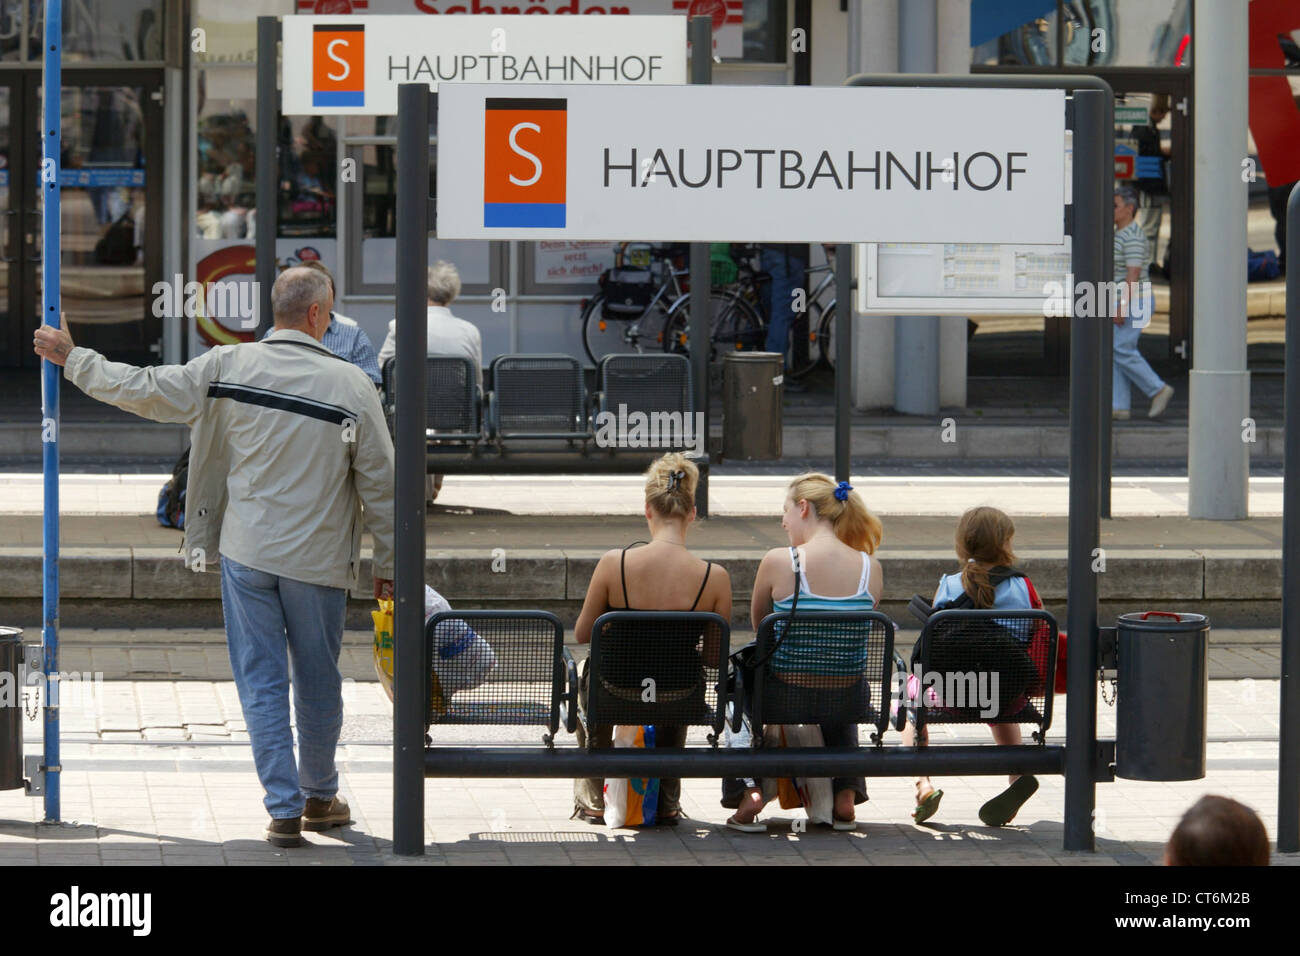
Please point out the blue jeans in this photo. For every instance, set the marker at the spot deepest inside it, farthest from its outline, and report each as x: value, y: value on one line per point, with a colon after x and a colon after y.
x: 778, y: 295
x: 276, y: 627
x: 1130, y: 368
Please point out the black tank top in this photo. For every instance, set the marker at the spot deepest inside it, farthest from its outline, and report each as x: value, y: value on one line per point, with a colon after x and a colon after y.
x: 622, y: 573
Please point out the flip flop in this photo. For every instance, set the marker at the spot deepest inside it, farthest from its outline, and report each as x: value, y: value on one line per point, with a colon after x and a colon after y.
x: 844, y: 826
x: 1003, y: 808
x: 588, y: 816
x: 752, y: 827
x: 928, y: 807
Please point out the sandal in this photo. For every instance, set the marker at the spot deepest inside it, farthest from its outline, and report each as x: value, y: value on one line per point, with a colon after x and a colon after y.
x: 1003, y: 808
x: 670, y: 819
x: 844, y: 826
x: 587, y: 816
x: 928, y: 806
x: 753, y: 826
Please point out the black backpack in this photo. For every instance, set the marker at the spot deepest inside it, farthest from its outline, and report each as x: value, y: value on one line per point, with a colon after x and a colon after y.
x: 171, y: 499
x: 979, y: 646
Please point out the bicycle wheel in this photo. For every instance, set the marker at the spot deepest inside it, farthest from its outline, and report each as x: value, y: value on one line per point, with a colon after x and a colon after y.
x: 793, y: 367
x: 826, y: 334
x: 602, y: 336
x: 735, y: 325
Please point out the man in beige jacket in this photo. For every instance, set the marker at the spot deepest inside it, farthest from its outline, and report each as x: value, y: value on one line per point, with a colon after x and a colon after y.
x: 289, y: 460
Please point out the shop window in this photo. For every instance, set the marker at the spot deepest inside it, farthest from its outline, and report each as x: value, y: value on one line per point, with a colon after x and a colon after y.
x: 102, y: 30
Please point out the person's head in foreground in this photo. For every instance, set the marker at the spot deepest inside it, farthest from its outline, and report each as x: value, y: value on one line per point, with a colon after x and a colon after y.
x: 816, y: 504
x: 301, y: 300
x: 670, y: 491
x: 1218, y: 831
x: 983, y: 541
x: 443, y: 283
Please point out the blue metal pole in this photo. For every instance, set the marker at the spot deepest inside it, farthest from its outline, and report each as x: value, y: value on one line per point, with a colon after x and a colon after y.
x: 52, y: 82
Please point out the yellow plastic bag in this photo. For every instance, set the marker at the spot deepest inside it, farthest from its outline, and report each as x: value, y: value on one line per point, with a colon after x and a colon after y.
x: 383, y: 652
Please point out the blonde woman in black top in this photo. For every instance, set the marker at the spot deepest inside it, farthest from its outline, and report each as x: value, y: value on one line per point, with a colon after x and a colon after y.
x: 662, y: 575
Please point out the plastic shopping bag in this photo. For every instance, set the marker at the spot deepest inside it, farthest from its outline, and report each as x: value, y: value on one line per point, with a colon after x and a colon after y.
x: 811, y: 793
x: 634, y: 802
x: 383, y: 653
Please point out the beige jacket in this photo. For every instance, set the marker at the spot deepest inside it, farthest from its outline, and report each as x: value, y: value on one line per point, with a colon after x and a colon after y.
x: 289, y: 454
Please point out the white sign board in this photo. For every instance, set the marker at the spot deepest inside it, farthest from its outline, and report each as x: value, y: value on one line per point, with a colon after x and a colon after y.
x: 354, y: 64
x: 751, y: 163
x: 960, y: 278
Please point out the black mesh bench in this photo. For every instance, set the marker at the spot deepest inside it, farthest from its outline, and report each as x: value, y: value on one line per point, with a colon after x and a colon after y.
x: 670, y: 669
x: 537, y: 398
x: 658, y: 668
x: 647, y: 391
x: 535, y: 417
x: 986, y: 666
x: 531, y: 681
x: 829, y: 667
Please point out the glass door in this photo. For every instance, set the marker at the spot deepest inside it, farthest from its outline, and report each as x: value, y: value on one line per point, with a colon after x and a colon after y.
x: 11, y: 226
x: 110, y: 170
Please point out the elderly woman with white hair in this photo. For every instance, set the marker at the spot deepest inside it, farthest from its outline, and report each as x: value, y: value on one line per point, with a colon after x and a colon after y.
x: 448, y: 335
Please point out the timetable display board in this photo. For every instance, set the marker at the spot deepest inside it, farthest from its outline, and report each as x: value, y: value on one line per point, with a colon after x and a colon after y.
x: 961, y: 278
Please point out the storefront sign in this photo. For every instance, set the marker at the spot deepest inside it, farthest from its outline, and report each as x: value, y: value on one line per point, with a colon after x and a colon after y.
x: 353, y: 65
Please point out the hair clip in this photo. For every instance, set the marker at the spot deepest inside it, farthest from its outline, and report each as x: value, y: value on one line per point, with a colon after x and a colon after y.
x: 675, y: 478
x: 842, y: 491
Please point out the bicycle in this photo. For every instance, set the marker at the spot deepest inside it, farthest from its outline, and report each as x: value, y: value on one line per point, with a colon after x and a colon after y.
x: 644, y: 292
x: 821, y: 318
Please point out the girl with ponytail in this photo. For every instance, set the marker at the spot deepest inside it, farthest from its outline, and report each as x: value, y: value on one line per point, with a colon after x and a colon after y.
x: 988, y: 578
x: 835, y: 536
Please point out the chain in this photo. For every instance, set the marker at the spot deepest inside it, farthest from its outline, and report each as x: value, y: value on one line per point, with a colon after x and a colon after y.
x: 1114, y: 682
x: 33, y: 703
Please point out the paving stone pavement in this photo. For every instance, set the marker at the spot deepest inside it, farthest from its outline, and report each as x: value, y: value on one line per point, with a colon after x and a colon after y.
x: 160, y: 772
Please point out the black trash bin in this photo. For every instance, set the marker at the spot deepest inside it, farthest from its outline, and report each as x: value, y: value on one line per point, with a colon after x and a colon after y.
x: 752, y: 391
x: 11, y: 708
x: 1163, y: 691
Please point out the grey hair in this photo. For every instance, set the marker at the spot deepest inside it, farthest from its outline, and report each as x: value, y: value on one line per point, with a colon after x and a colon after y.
x: 1127, y: 195
x: 443, y: 283
x: 294, y: 293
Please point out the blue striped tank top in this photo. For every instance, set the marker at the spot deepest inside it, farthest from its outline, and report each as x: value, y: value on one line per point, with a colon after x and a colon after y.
x: 838, y: 654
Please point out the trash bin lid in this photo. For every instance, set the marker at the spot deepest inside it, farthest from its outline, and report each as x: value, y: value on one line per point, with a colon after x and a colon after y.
x: 1163, y: 621
x: 743, y: 356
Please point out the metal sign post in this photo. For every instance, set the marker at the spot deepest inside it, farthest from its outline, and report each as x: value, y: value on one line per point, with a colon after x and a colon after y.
x: 410, y: 670
x: 1091, y: 240
x: 267, y: 164
x: 701, y: 33
x: 1288, y: 757
x: 51, y: 376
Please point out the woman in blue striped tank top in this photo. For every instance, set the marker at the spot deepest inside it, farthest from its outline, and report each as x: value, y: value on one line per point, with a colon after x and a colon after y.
x: 835, y: 536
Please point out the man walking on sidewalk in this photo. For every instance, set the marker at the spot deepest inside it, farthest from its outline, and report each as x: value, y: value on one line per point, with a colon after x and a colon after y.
x: 289, y: 460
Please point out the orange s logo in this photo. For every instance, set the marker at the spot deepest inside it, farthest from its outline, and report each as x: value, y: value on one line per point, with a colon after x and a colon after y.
x: 338, y: 65
x: 524, y: 168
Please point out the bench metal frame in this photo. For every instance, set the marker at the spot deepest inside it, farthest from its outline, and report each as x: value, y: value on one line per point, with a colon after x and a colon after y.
x: 1084, y: 760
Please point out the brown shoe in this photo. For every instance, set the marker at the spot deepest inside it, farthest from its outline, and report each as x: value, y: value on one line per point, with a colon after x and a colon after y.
x: 285, y: 832
x: 324, y: 814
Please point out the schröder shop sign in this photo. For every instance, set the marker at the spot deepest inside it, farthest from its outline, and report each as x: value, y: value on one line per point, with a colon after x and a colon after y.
x: 749, y: 163
x: 354, y: 64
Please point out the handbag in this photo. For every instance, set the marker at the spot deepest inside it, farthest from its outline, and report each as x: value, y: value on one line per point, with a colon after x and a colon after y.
x: 745, y: 662
x: 627, y: 291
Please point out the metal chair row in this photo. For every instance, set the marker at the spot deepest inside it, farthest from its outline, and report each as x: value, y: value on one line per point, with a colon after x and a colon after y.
x: 671, y: 668
x: 544, y: 399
